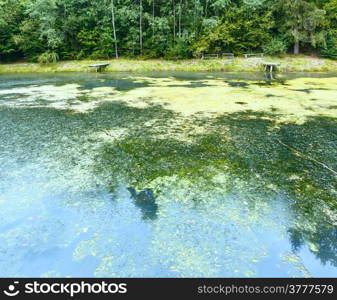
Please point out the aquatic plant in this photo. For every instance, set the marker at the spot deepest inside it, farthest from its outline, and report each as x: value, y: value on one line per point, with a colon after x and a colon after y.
x: 167, y: 175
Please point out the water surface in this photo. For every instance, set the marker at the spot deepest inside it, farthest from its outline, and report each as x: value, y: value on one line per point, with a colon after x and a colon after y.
x: 168, y: 175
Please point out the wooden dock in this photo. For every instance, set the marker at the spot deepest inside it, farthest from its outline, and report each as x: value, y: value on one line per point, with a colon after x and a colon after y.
x: 270, y: 66
x: 99, y: 67
x: 228, y: 55
x: 248, y: 55
x: 210, y: 56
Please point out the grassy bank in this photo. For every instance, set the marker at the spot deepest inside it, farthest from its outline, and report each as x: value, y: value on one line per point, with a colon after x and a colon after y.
x: 287, y: 64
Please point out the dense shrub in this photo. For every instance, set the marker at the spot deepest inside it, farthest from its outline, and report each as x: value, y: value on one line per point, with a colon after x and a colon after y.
x: 331, y: 49
x: 275, y: 47
x: 240, y: 31
x: 48, y: 57
x: 179, y: 50
x: 97, y: 43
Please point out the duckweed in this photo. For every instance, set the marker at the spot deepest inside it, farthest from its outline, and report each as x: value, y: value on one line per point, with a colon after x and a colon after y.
x: 168, y: 175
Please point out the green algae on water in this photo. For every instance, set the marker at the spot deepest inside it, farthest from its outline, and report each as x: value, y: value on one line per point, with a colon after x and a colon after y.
x: 168, y: 175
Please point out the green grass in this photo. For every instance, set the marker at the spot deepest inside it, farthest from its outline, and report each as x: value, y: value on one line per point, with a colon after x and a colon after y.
x: 287, y: 64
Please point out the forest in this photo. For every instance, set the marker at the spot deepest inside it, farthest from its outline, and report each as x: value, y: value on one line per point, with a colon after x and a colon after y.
x: 52, y: 30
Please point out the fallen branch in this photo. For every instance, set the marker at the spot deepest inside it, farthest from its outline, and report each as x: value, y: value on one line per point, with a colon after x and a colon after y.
x: 298, y: 153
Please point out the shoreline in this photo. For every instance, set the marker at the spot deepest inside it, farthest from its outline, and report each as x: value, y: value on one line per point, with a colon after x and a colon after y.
x: 289, y: 64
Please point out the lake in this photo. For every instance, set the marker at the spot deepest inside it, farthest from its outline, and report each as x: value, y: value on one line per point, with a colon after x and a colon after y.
x: 168, y: 175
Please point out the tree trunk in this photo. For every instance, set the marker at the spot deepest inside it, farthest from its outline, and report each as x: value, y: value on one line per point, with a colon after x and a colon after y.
x: 114, y: 26
x: 297, y: 41
x: 153, y: 15
x: 141, y: 27
x: 174, y: 20
x: 180, y: 9
x: 206, y: 8
x: 297, y: 47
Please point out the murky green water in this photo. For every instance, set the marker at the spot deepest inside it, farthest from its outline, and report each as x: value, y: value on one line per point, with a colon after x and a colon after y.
x: 168, y: 175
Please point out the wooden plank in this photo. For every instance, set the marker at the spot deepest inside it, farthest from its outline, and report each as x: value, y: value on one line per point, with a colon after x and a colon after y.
x: 270, y: 66
x: 247, y: 55
x: 209, y: 56
x: 99, y: 67
x: 228, y: 55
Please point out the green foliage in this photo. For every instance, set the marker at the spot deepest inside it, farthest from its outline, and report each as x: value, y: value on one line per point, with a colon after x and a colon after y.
x: 99, y: 29
x: 304, y: 21
x: 95, y: 44
x: 331, y: 49
x: 241, y: 30
x: 275, y: 47
x: 10, y: 16
x: 179, y: 50
x: 28, y: 42
x: 331, y: 11
x: 48, y: 57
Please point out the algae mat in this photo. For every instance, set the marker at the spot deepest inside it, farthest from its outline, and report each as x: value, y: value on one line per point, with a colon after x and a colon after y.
x: 168, y: 175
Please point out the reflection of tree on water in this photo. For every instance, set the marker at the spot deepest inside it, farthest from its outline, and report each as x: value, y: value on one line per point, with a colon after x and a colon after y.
x: 248, y: 144
x: 145, y: 200
x: 251, y: 146
x: 322, y: 242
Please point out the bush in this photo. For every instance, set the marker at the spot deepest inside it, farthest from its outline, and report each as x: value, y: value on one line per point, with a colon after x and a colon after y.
x: 97, y: 43
x: 275, y: 47
x: 180, y: 50
x: 331, y: 49
x: 239, y: 31
x: 48, y: 57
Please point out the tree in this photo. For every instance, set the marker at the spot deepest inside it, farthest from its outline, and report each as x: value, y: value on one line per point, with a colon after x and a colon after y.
x: 141, y: 26
x: 331, y: 12
x: 240, y: 30
x: 45, y: 14
x: 113, y: 26
x: 75, y: 29
x: 304, y: 21
x: 11, y: 15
